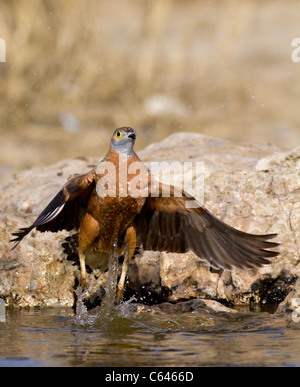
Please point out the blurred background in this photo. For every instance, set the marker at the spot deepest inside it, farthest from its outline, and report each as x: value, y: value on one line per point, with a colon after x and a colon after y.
x: 77, y: 69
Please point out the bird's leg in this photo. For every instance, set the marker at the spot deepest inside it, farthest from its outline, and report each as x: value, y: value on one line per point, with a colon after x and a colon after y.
x: 130, y: 244
x: 123, y: 275
x: 82, y: 268
x: 89, y: 230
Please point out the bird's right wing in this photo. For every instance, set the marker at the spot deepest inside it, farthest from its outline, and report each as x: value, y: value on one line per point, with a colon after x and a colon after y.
x: 66, y: 209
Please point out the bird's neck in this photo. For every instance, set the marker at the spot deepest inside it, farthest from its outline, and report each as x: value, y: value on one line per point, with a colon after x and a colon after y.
x: 114, y: 156
x: 124, y: 150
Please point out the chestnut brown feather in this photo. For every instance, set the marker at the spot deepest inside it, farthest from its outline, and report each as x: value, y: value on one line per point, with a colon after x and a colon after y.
x: 169, y: 224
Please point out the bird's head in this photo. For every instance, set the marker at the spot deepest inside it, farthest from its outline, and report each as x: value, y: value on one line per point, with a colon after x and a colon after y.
x: 123, y: 140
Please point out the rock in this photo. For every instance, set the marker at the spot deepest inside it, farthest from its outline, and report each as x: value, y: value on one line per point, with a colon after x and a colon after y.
x: 290, y: 307
x: 35, y: 274
x: 252, y: 187
x: 193, y: 306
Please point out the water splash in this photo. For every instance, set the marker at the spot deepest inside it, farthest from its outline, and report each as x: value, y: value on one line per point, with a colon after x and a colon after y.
x: 108, y: 311
x: 106, y: 316
x: 111, y: 283
x: 82, y: 317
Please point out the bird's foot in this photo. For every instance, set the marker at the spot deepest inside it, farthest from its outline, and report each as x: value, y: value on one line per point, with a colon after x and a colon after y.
x: 83, y: 283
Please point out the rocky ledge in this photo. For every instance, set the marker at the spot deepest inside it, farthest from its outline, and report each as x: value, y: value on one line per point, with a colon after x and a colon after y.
x: 252, y: 187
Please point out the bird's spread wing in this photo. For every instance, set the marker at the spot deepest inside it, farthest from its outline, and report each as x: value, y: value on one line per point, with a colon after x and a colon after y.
x: 65, y: 210
x: 170, y: 224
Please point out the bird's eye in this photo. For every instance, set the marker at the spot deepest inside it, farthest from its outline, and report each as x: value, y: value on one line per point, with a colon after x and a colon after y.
x: 119, y: 134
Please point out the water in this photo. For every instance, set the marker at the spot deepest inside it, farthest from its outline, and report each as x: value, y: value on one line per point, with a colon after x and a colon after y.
x: 103, y: 315
x: 139, y: 336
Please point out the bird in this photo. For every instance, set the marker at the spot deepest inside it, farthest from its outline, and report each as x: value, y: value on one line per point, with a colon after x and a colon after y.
x: 110, y: 209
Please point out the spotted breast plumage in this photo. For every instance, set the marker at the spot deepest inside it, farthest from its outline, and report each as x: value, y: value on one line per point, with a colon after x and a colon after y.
x: 107, y: 206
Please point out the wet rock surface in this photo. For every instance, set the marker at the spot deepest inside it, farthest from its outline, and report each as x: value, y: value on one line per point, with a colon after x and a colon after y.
x: 290, y: 307
x: 252, y: 187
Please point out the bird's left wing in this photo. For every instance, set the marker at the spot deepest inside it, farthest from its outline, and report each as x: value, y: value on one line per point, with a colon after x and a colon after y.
x: 174, y: 223
x: 65, y: 210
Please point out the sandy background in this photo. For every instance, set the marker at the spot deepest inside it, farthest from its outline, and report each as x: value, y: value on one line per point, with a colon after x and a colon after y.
x: 77, y: 69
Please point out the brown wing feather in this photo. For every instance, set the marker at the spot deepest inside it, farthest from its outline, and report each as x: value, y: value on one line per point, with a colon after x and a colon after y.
x: 168, y: 224
x: 66, y: 209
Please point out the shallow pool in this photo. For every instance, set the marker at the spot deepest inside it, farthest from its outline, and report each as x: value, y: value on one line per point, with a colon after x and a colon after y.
x: 54, y: 337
